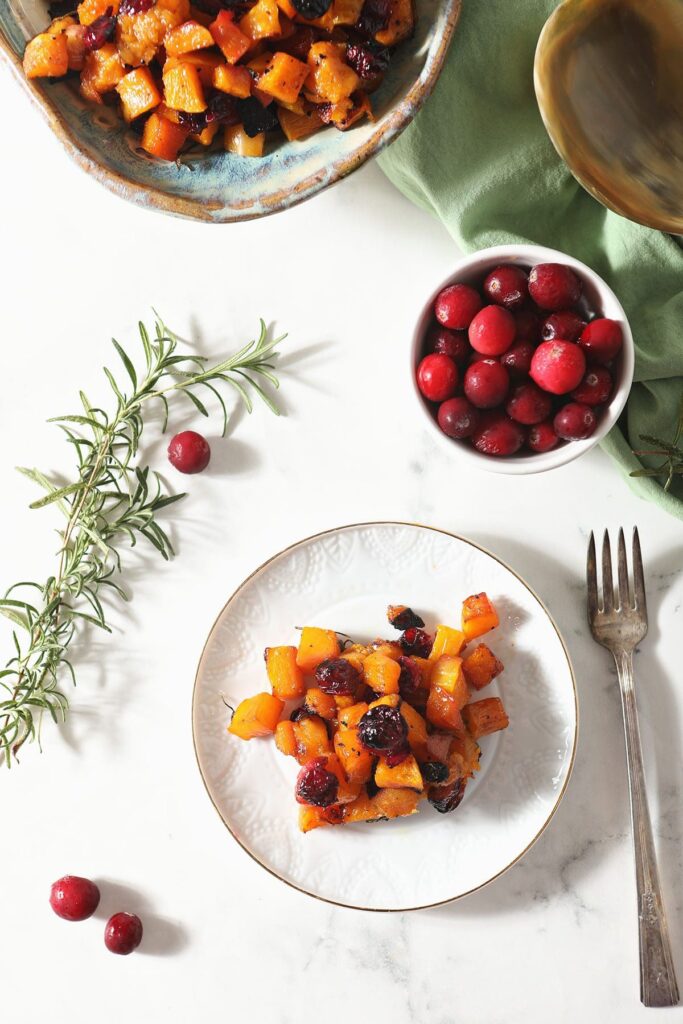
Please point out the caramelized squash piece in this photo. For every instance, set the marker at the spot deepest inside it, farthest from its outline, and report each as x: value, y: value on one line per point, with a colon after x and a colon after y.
x: 185, y: 38
x: 447, y: 641
x: 354, y: 657
x: 392, y: 699
x: 387, y: 803
x: 256, y: 716
x: 417, y: 730
x: 316, y: 645
x: 204, y: 61
x: 90, y: 10
x: 162, y: 137
x: 320, y: 703
x: 284, y: 77
x: 330, y: 78
x: 236, y: 81
x: 316, y: 817
x: 285, y: 739
x: 262, y: 21
x: 355, y: 759
x: 481, y: 667
x: 138, y: 92
x: 229, y: 38
x: 351, y: 716
x: 485, y: 716
x: 206, y: 136
x: 381, y: 673
x: 478, y: 616
x: 284, y: 675
x: 400, y: 25
x: 448, y: 675
x: 443, y: 711
x: 183, y: 88
x: 348, y: 790
x: 405, y: 775
x: 102, y: 72
x: 311, y: 738
x: 46, y: 56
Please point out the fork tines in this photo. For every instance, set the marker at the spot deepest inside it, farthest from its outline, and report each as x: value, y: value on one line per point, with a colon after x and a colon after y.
x: 629, y: 597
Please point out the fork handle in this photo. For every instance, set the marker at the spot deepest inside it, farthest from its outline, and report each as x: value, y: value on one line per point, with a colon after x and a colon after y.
x: 657, y: 976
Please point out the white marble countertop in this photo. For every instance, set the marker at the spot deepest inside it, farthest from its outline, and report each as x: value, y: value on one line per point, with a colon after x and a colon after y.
x: 116, y: 794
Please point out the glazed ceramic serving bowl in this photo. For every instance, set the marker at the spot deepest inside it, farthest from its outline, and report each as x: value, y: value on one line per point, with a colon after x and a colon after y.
x: 220, y: 187
x: 600, y: 300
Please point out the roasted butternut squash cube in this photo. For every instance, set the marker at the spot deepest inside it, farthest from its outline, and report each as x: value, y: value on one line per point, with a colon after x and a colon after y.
x: 316, y: 645
x: 183, y: 88
x: 447, y: 641
x: 354, y: 657
x: 350, y: 717
x: 284, y: 675
x: 228, y: 37
x: 284, y: 78
x: 102, y: 71
x: 346, y: 12
x: 256, y: 716
x: 481, y: 667
x: 400, y: 25
x: 90, y: 10
x: 417, y: 730
x: 478, y: 616
x: 447, y: 674
x: 162, y: 137
x: 387, y: 803
x: 348, y: 791
x: 320, y: 703
x: 187, y: 37
x: 235, y: 80
x: 344, y: 700
x: 285, y: 740
x: 388, y: 649
x: 311, y: 738
x: 485, y: 716
x: 206, y: 136
x: 405, y: 775
x: 344, y: 114
x: 443, y: 710
x: 75, y: 45
x: 425, y: 667
x: 469, y: 751
x: 204, y: 61
x: 46, y: 56
x: 381, y: 673
x: 288, y: 9
x: 330, y: 78
x: 138, y: 92
x: 354, y: 758
x: 140, y: 37
x: 315, y: 817
x: 262, y: 21
x: 391, y: 699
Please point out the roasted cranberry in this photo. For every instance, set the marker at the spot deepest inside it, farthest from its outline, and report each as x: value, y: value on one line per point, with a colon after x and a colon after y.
x: 299, y: 43
x: 517, y: 359
x: 554, y: 286
x: 602, y: 339
x: 542, y: 437
x: 383, y: 730
x: 123, y: 933
x: 374, y: 16
x: 417, y: 642
x: 449, y: 343
x: 299, y: 713
x: 456, y: 306
x: 194, y: 123
x: 437, y: 377
x: 316, y: 785
x: 256, y: 118
x: 528, y: 404
x: 558, y: 366
x: 457, y: 418
x: 492, y: 331
x: 410, y: 680
x: 486, y: 383
x: 135, y: 6
x: 595, y: 388
x: 397, y: 756
x: 222, y: 109
x: 337, y: 675
x: 312, y: 9
x: 566, y: 325
x: 402, y: 617
x: 99, y: 31
x: 507, y: 286
x: 498, y: 435
x: 189, y: 452
x: 575, y: 422
x: 434, y: 771
x: 367, y: 60
x: 447, y: 798
x: 527, y: 325
x: 74, y: 898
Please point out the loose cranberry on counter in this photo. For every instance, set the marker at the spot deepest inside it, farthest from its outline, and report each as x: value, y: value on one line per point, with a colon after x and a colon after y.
x: 507, y: 286
x: 123, y: 933
x: 316, y: 785
x: 456, y: 305
x: 527, y: 325
x: 189, y: 452
x: 458, y: 418
x: 486, y: 383
x: 542, y: 437
x: 595, y: 388
x: 517, y: 359
x: 602, y: 339
x: 554, y: 286
x: 558, y: 366
x: 528, y: 404
x: 492, y: 331
x: 498, y: 435
x: 453, y: 344
x: 437, y: 377
x: 566, y: 325
x: 74, y: 898
x: 575, y: 422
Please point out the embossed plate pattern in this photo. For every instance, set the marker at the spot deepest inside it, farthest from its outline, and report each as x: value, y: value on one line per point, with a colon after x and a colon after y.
x: 344, y: 579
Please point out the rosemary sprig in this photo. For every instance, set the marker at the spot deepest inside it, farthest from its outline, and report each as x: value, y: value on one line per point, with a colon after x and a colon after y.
x: 670, y: 451
x: 111, y: 500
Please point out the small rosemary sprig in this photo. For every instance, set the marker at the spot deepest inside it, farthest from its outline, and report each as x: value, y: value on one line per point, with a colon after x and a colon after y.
x: 670, y: 451
x: 111, y: 500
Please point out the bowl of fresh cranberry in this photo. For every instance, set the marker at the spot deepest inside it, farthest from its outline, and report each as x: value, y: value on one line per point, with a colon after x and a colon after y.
x: 522, y: 360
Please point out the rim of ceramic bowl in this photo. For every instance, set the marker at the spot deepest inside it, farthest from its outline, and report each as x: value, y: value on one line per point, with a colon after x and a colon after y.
x: 528, y: 255
x: 397, y: 119
x: 272, y: 871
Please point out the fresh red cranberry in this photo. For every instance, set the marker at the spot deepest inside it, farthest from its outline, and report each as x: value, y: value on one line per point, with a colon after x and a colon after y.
x: 457, y: 418
x: 486, y: 383
x: 602, y: 339
x: 99, y: 31
x: 558, y: 366
x: 554, y: 286
x: 437, y: 377
x: 528, y: 404
x: 123, y: 933
x: 507, y: 286
x: 316, y: 785
x: 417, y: 642
x: 575, y: 422
x: 410, y: 681
x: 527, y: 325
x: 74, y: 898
x: 517, y: 359
x: 542, y: 437
x: 456, y: 305
x: 492, y: 331
x: 498, y: 435
x: 595, y: 388
x: 337, y: 675
x: 566, y: 325
x: 453, y: 344
x: 189, y: 452
x: 383, y: 730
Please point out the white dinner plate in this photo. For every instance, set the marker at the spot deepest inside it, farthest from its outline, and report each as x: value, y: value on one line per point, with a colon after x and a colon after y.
x: 344, y: 579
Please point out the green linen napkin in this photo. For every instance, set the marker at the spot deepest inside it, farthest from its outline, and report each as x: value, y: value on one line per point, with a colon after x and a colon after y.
x: 478, y: 157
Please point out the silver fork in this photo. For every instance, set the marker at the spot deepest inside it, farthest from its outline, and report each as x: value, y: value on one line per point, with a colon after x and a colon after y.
x: 620, y: 627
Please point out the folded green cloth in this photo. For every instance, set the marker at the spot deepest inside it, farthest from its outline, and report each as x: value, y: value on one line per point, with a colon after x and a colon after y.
x: 478, y: 157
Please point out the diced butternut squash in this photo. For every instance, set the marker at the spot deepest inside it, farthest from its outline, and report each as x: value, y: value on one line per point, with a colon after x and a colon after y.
x: 75, y: 45
x: 478, y: 616
x: 346, y: 12
x: 46, y: 56
x: 344, y: 700
x: 138, y: 92
x: 229, y: 37
x: 162, y: 137
x: 425, y: 667
x: 405, y: 775
x: 256, y: 716
x: 315, y: 817
x: 262, y: 21
x: 235, y: 80
x: 392, y: 700
x: 320, y: 703
x: 330, y: 77
x: 185, y: 38
x: 348, y: 790
x: 448, y: 675
x: 102, y: 71
x: 355, y: 759
x: 183, y: 88
x: 353, y: 657
x: 481, y: 667
x: 400, y: 25
x: 206, y: 136
x: 387, y: 803
x: 447, y: 641
x: 311, y: 738
x: 417, y: 730
x: 388, y: 649
x: 284, y: 78
x: 285, y: 739
x: 350, y: 717
x: 284, y: 675
x: 90, y: 10
x: 205, y: 61
x: 485, y: 716
x: 469, y: 751
x: 443, y: 711
x: 316, y: 645
x: 346, y: 112
x: 381, y: 673
x: 288, y: 8
x: 140, y: 37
